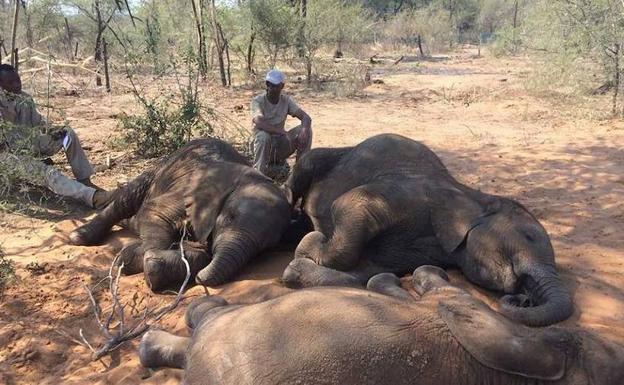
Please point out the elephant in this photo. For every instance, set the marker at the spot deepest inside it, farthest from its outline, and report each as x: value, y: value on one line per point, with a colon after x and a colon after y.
x: 388, y: 204
x: 206, y: 190
x: 383, y: 335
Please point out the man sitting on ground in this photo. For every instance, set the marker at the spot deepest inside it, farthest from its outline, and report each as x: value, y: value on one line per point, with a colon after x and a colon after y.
x: 270, y: 142
x: 22, y: 142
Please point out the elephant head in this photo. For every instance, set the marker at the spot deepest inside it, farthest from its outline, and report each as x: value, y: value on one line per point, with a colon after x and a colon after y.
x: 499, y: 245
x: 252, y: 218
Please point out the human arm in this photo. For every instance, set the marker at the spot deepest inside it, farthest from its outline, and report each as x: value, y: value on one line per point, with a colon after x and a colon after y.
x: 260, y: 122
x: 306, y: 125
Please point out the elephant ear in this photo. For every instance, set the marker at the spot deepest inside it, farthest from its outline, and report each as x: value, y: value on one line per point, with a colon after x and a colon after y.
x: 203, y: 208
x: 500, y: 344
x: 453, y: 215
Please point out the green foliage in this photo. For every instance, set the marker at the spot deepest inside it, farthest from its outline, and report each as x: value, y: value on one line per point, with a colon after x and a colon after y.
x: 275, y: 24
x: 432, y: 24
x: 168, y: 120
x: 13, y: 171
x: 578, y: 40
x: 331, y: 22
x: 7, y: 271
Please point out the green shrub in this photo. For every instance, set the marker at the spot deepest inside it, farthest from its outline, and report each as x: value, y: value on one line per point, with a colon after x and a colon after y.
x: 168, y: 121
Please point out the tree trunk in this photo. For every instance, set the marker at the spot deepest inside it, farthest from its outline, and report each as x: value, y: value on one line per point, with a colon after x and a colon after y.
x: 616, y: 86
x: 451, y: 17
x: 227, y: 55
x: 422, y: 54
x: 303, y: 10
x: 15, y: 55
x: 98, y: 43
x: 250, y: 53
x: 106, y: 72
x: 69, y: 41
x: 14, y: 33
x: 309, y: 70
x: 201, y: 39
x: 218, y: 39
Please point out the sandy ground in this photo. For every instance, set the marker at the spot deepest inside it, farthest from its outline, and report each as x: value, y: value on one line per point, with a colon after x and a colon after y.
x: 561, y: 159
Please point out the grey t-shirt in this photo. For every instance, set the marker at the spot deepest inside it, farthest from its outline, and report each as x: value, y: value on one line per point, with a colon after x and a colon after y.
x: 275, y: 114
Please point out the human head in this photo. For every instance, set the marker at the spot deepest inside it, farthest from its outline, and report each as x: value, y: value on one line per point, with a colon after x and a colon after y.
x: 274, y: 83
x: 9, y: 79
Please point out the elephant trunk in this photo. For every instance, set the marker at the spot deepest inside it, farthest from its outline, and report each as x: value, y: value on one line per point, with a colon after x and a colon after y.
x: 231, y: 251
x: 550, y: 299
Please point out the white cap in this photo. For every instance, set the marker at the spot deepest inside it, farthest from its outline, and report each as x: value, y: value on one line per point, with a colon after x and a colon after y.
x: 274, y: 77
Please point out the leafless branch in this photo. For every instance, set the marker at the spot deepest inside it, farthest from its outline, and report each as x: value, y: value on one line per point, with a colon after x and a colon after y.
x: 124, y: 332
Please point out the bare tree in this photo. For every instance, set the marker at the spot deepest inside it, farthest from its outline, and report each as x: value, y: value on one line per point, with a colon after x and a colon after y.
x: 201, y: 36
x: 102, y: 23
x: 14, y: 34
x: 221, y: 43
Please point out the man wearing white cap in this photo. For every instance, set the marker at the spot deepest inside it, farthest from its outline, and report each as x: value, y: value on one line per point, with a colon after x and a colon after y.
x: 270, y: 142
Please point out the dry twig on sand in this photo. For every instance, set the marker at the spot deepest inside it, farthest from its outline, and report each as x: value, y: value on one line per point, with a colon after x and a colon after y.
x: 115, y: 336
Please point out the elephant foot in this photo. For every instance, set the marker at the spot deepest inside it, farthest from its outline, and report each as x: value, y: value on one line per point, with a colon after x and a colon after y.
x: 426, y: 278
x: 302, y: 272
x: 164, y: 269
x: 84, y: 236
x: 311, y: 247
x: 388, y: 284
x: 161, y: 349
x: 197, y: 310
x: 132, y: 258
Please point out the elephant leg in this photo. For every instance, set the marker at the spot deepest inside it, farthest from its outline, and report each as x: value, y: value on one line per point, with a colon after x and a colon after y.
x: 430, y: 278
x: 358, y: 215
x: 388, y: 284
x: 127, y: 201
x: 131, y: 257
x: 160, y: 221
x: 197, y: 310
x: 312, y: 165
x: 302, y: 272
x: 161, y: 349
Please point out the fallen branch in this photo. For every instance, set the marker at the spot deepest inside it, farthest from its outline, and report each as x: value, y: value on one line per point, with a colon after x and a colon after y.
x: 114, y: 339
x: 68, y: 65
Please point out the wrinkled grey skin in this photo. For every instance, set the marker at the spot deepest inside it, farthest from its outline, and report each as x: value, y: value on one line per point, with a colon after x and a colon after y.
x: 390, y: 205
x: 348, y: 336
x: 231, y: 213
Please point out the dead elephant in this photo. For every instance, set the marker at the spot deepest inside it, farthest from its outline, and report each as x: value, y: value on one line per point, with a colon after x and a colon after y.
x: 229, y: 211
x: 350, y: 336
